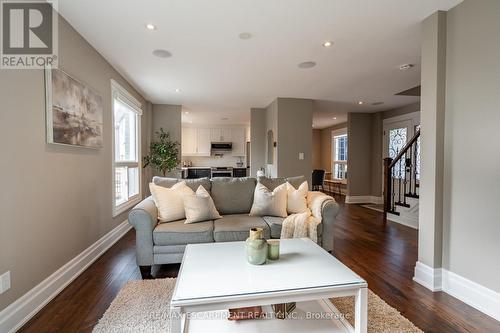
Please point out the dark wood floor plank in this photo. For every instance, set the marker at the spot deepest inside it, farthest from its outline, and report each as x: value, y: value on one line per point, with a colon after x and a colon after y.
x: 383, y: 253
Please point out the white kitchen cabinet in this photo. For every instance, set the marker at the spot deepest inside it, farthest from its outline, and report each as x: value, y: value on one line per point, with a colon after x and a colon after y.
x: 238, y: 138
x: 203, y: 143
x: 221, y: 134
x: 197, y: 141
x: 189, y: 141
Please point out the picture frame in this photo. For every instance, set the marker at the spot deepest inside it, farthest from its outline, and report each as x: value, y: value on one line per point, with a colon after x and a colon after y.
x: 74, y: 111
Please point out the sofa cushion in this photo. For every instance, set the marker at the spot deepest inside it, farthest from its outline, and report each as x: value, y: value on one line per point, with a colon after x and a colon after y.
x: 271, y: 183
x: 275, y: 224
x: 165, y: 181
x: 195, y: 183
x: 296, y: 181
x: 179, y: 233
x: 233, y: 195
x: 237, y: 227
x: 192, y: 183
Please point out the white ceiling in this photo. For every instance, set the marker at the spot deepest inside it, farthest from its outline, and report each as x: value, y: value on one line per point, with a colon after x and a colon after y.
x: 222, y: 76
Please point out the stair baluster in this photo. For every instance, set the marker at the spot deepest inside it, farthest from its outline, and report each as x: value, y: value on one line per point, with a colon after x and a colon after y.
x: 404, y: 168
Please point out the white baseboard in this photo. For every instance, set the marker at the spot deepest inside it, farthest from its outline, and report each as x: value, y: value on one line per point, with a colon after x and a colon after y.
x: 429, y: 277
x: 469, y: 292
x: 23, y: 309
x: 350, y: 199
x: 472, y: 293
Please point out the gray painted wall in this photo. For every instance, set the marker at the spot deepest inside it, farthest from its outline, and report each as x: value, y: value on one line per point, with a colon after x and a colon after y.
x: 56, y: 200
x: 377, y: 129
x: 272, y: 124
x: 472, y: 156
x: 400, y: 111
x: 294, y: 137
x: 167, y: 117
x: 432, y: 140
x: 316, y: 149
x: 257, y: 140
x: 359, y: 126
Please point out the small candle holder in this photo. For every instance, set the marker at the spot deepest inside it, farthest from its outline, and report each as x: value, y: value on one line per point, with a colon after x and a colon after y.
x: 273, y: 249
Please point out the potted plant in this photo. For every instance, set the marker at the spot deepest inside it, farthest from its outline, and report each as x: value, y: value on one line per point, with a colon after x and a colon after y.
x: 163, y: 153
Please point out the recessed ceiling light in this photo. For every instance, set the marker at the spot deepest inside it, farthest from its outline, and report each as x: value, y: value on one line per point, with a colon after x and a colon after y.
x: 245, y: 35
x: 307, y: 64
x: 186, y: 112
x: 327, y: 44
x: 334, y: 118
x: 405, y: 67
x: 150, y: 26
x: 361, y: 102
x: 177, y: 90
x: 160, y: 53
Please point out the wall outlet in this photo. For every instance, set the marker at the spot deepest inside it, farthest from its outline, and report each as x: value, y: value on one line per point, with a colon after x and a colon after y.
x: 4, y: 282
x: 301, y: 156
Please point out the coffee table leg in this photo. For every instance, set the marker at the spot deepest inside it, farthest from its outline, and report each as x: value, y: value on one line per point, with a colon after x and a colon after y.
x: 175, y: 320
x: 361, y: 311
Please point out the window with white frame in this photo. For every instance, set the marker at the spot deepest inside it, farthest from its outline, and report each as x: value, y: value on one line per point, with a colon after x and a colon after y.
x: 339, y: 155
x: 126, y: 149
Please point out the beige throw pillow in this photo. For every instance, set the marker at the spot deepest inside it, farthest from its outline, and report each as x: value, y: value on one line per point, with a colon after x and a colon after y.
x: 199, y: 207
x: 170, y: 201
x: 297, y: 198
x: 269, y: 203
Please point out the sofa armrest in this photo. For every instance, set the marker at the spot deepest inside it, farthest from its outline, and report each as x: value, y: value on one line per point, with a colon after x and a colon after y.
x: 329, y: 213
x: 144, y: 217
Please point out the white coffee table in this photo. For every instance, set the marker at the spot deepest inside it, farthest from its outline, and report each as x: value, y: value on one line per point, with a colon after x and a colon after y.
x: 216, y: 277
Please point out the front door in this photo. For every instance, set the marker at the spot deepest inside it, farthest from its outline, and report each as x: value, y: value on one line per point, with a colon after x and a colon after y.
x: 397, y: 132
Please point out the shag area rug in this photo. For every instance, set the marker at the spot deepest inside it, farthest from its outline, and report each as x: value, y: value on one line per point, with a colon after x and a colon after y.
x: 142, y: 306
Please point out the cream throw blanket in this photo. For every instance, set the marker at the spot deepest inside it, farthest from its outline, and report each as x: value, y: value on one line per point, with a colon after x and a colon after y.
x: 305, y: 224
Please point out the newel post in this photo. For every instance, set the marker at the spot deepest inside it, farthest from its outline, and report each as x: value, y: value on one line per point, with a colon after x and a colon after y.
x: 387, y: 185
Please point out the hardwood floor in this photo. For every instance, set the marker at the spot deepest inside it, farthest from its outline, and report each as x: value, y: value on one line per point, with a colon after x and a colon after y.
x: 384, y: 254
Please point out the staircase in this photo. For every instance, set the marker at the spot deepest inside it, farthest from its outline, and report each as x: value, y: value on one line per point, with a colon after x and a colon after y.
x: 402, y: 183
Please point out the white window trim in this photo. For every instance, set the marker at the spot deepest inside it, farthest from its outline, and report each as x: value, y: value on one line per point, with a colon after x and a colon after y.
x: 118, y: 92
x: 342, y: 131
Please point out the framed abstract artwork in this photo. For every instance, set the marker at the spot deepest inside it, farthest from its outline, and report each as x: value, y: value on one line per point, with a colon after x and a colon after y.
x: 74, y: 111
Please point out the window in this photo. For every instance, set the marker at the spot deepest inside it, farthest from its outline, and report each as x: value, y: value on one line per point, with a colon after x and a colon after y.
x: 126, y: 149
x: 339, y: 155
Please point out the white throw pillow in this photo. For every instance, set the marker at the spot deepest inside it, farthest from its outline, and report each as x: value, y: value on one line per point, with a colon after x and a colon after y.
x: 297, y: 198
x: 199, y: 207
x: 267, y: 203
x: 170, y: 201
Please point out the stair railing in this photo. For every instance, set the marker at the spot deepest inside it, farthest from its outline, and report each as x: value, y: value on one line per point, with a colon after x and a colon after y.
x: 401, y: 176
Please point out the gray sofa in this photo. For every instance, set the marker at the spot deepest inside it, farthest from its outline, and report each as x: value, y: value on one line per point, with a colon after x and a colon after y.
x: 164, y: 243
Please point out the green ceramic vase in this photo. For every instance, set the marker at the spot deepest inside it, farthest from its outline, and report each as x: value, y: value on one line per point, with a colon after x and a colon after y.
x: 256, y: 247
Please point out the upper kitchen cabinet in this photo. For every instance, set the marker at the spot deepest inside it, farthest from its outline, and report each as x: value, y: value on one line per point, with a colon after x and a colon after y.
x: 189, y: 141
x: 238, y: 138
x: 203, y: 141
x: 195, y: 141
x: 221, y: 134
